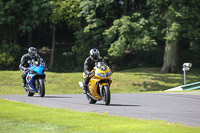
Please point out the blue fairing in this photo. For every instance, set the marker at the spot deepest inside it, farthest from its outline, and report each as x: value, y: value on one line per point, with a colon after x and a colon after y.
x: 39, y: 71
x: 31, y: 85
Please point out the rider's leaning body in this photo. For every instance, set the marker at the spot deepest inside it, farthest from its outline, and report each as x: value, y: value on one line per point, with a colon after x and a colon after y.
x: 89, y: 64
x: 32, y: 54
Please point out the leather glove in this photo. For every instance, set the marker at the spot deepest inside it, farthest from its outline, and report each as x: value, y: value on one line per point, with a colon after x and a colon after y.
x: 88, y: 73
x: 25, y: 69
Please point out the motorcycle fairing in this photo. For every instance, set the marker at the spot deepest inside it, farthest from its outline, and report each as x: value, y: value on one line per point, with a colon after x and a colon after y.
x: 30, y: 76
x: 39, y: 69
x: 31, y: 85
x: 93, y: 86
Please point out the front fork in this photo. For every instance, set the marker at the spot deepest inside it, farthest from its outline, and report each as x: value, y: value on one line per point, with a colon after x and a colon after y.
x: 101, y: 88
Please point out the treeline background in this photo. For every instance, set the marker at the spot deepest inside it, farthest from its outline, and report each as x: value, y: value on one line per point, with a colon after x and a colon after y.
x: 128, y: 33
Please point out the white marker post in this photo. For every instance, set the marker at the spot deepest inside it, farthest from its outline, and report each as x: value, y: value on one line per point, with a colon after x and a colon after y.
x: 186, y: 67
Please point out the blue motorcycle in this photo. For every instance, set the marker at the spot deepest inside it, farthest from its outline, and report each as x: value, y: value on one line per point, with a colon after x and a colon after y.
x: 35, y: 78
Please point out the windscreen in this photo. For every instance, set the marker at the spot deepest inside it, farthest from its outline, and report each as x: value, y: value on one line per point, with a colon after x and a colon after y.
x: 101, y: 65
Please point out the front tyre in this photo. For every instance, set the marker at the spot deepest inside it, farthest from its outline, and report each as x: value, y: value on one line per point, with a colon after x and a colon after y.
x: 41, y: 89
x: 106, y: 95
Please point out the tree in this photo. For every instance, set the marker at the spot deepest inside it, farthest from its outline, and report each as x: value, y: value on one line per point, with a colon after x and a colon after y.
x: 33, y: 14
x: 63, y: 11
x: 96, y: 16
x: 8, y: 21
x: 180, y: 21
x: 9, y: 49
x: 129, y: 33
x: 170, y: 61
x: 19, y: 17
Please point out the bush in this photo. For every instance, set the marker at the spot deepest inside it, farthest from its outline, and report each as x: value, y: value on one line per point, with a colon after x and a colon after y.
x: 9, y: 56
x: 6, y: 61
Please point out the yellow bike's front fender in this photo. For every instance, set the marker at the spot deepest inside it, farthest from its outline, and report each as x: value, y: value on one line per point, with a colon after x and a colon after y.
x: 104, y: 84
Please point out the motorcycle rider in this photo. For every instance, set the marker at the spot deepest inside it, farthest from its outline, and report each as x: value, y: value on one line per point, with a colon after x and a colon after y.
x: 89, y: 65
x: 24, y: 64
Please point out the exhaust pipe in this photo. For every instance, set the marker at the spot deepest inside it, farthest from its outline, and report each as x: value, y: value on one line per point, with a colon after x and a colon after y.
x: 80, y: 84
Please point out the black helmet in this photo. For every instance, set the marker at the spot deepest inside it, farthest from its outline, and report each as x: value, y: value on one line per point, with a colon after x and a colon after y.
x: 94, y: 54
x: 32, y: 52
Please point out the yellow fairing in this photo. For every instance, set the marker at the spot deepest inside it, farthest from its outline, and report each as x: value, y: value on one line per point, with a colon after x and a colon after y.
x: 93, y: 86
x: 95, y: 83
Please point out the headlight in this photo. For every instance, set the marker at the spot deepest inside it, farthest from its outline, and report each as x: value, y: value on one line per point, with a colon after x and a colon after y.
x: 101, y: 74
x: 108, y: 74
x: 33, y: 72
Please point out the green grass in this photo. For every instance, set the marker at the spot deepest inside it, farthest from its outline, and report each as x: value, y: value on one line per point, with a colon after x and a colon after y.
x: 22, y: 118
x: 129, y: 81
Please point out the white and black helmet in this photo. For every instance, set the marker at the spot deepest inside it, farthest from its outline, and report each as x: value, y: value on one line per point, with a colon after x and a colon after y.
x: 94, y: 54
x: 32, y: 52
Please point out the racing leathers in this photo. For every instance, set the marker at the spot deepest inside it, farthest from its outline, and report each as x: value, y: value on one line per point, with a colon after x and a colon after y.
x: 88, y: 67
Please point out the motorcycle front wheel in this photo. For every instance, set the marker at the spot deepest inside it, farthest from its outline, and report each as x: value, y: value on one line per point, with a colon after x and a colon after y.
x: 41, y: 89
x: 106, y: 95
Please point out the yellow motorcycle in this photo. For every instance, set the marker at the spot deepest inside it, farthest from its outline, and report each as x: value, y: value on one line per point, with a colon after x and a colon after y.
x: 99, y: 84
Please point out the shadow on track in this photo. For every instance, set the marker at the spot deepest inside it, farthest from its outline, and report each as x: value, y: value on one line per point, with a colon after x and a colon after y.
x: 54, y: 97
x: 125, y: 105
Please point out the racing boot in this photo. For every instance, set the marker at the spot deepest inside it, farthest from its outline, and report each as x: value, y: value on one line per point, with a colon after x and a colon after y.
x: 23, y: 83
x: 85, y: 84
x: 85, y: 88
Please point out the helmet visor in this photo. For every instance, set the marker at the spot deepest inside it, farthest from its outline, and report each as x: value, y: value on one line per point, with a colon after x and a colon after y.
x: 95, y: 57
x: 33, y: 54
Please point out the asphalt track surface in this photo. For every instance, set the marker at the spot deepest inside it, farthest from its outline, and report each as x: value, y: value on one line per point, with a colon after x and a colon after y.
x: 171, y: 107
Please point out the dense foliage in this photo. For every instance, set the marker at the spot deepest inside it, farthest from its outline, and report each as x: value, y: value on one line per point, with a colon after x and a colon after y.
x: 128, y: 33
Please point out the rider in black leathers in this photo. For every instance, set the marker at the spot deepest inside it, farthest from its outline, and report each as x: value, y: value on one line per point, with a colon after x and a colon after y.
x: 24, y: 64
x: 89, y: 65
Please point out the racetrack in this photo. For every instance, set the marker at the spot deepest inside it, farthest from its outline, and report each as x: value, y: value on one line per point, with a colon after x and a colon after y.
x: 171, y: 107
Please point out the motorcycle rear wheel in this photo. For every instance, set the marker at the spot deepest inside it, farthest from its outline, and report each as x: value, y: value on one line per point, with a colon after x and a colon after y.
x: 91, y: 100
x: 41, y: 89
x: 106, y: 95
x: 28, y: 93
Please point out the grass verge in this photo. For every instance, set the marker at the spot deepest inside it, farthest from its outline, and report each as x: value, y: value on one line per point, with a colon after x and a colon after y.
x: 128, y: 81
x: 20, y: 118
